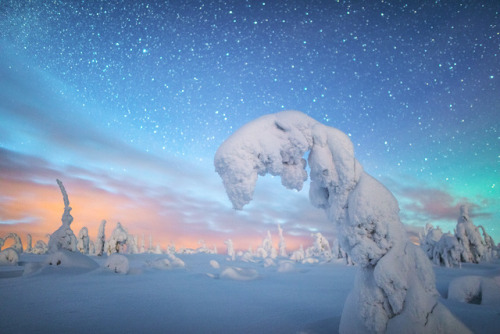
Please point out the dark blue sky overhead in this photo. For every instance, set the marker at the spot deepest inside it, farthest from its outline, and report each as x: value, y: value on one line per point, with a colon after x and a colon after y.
x: 415, y: 84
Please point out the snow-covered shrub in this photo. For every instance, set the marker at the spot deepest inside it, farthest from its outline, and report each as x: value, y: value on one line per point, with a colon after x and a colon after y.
x: 65, y: 258
x: 176, y: 262
x: 230, y: 249
x: 9, y: 257
x: 40, y: 247
x: 117, y: 263
x: 465, y: 289
x: 298, y: 255
x: 101, y: 239
x: 286, y: 266
x: 63, y: 237
x: 83, y: 241
x: 395, y: 286
x: 470, y: 238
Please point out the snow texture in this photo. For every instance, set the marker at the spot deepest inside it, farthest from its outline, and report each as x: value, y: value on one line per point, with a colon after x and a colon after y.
x: 117, y: 263
x: 395, y: 286
x: 475, y: 290
x: 63, y: 237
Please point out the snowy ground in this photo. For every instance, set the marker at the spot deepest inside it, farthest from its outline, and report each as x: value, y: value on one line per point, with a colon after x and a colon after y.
x: 306, y: 298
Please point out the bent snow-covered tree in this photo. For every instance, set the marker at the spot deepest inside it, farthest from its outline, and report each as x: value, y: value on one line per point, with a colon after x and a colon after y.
x: 63, y: 237
x: 395, y: 286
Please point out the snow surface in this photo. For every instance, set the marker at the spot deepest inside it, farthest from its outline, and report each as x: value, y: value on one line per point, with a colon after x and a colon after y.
x: 309, y: 298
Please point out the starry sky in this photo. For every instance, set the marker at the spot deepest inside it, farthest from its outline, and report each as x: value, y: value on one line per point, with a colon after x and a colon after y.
x: 127, y: 101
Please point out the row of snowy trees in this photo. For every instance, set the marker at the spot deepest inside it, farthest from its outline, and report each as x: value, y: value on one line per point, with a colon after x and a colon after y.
x: 465, y: 245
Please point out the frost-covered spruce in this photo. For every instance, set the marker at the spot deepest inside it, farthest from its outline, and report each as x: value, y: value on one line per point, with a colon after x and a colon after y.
x: 101, y: 239
x: 429, y: 240
x: 320, y: 247
x: 120, y: 241
x: 29, y: 247
x: 470, y: 238
x: 83, y: 241
x: 282, y: 243
x: 395, y: 286
x: 63, y: 237
x: 447, y: 251
x: 230, y: 249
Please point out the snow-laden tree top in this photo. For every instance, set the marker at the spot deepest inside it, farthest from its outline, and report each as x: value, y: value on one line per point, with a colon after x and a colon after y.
x: 276, y: 144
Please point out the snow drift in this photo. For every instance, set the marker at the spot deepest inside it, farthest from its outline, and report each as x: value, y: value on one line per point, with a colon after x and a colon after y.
x: 395, y: 287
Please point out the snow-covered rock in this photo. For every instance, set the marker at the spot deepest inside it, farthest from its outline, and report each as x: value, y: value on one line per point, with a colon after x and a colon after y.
x: 65, y: 258
x: 117, y: 263
x: 9, y: 257
x: 395, y: 284
x: 475, y: 290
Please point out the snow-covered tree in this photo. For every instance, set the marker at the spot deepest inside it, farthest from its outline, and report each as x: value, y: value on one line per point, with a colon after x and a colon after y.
x: 143, y: 248
x: 395, y: 287
x: 83, y: 241
x: 298, y: 255
x: 470, y: 238
x: 120, y: 241
x: 63, y: 237
x: 40, y: 247
x: 101, y: 239
x: 2, y: 242
x: 447, y: 251
x: 9, y: 257
x: 230, y: 249
x: 282, y: 243
x: 29, y: 246
x: 429, y: 239
x: 320, y: 247
x: 267, y: 249
x: 18, y: 244
x: 489, y: 244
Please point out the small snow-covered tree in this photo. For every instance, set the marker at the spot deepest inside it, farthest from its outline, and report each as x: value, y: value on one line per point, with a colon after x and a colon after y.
x: 101, y: 239
x: 468, y: 235
x: 489, y: 244
x: 282, y: 243
x: 320, y: 247
x: 18, y: 244
x: 298, y: 255
x: 395, y: 287
x: 40, y: 247
x: 447, y: 251
x: 119, y: 240
x: 230, y: 249
x: 267, y: 249
x: 83, y: 241
x: 63, y: 237
x: 29, y: 246
x: 429, y: 240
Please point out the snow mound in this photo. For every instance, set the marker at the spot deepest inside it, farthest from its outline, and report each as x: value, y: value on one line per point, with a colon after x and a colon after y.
x: 239, y: 274
x: 214, y: 264
x: 65, y: 258
x: 9, y: 257
x: 474, y: 290
x: 161, y: 264
x: 268, y: 262
x: 286, y: 266
x: 118, y: 263
x: 176, y: 262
